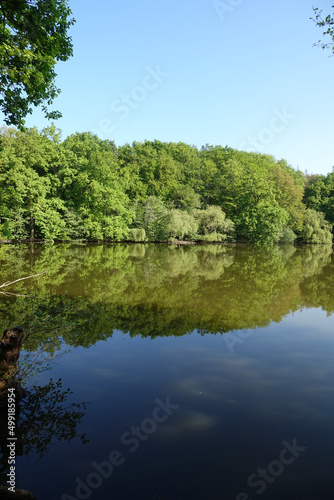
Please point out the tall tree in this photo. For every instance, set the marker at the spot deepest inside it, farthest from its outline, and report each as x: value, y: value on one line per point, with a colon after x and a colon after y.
x: 33, y: 38
x: 94, y: 189
x: 30, y: 209
x: 289, y: 196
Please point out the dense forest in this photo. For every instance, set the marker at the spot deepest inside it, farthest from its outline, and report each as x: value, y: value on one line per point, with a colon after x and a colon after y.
x: 85, y: 188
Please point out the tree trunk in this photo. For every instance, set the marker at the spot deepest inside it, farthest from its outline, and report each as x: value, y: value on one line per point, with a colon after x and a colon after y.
x: 32, y: 228
x: 32, y: 255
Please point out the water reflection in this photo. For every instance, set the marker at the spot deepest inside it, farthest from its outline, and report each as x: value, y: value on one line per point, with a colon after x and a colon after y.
x: 44, y: 417
x: 36, y: 418
x: 127, y: 310
x: 153, y: 290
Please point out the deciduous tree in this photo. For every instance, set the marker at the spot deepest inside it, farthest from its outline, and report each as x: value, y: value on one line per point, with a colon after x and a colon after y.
x: 33, y: 38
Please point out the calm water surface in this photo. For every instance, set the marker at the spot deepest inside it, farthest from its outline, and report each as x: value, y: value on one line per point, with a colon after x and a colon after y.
x: 208, y: 372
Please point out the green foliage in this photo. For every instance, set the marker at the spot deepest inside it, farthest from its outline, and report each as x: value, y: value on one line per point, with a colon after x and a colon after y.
x: 93, y: 189
x: 180, y: 225
x: 259, y: 194
x: 316, y: 229
x: 85, y: 188
x: 289, y: 192
x: 136, y: 234
x: 74, y: 224
x: 33, y: 38
x: 213, y: 237
x: 185, y: 198
x: 258, y: 215
x: 286, y: 236
x: 17, y: 223
x: 151, y: 216
x: 213, y: 225
x: 32, y: 211
x: 327, y: 24
x: 319, y: 195
x: 149, y: 170
x: 161, y: 223
x: 64, y: 190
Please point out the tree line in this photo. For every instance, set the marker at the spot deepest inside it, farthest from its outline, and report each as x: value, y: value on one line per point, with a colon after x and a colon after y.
x: 85, y: 188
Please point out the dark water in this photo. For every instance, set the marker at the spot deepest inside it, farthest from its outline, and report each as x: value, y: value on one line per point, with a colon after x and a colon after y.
x: 208, y: 372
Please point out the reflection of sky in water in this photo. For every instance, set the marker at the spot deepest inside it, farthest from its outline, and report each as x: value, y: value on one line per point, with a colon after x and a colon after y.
x: 235, y: 411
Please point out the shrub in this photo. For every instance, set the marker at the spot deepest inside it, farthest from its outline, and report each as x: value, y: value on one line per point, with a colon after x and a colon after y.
x: 137, y: 234
x: 286, y: 236
x: 316, y: 229
x: 213, y: 237
x: 213, y: 220
x: 180, y: 224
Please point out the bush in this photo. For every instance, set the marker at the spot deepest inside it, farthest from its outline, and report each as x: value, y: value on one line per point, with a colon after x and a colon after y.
x: 213, y: 221
x: 286, y: 236
x: 316, y: 229
x: 213, y: 237
x: 137, y: 234
x: 180, y: 224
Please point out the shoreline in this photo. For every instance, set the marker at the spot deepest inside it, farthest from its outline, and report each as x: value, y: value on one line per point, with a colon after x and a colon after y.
x: 176, y: 243
x: 108, y: 242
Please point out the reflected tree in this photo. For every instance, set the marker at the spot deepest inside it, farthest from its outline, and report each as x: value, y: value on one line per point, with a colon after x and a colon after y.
x: 44, y: 417
x: 153, y: 290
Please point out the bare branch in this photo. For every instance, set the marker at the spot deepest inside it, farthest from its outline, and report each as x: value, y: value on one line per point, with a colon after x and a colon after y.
x: 20, y: 279
x: 7, y: 294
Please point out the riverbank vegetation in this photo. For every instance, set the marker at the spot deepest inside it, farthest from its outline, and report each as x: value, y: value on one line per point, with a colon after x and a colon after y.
x: 85, y: 188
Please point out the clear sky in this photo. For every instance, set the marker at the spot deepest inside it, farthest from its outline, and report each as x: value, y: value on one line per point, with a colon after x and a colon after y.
x: 241, y: 73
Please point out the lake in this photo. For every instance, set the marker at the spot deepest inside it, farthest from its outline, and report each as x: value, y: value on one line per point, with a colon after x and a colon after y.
x: 199, y: 372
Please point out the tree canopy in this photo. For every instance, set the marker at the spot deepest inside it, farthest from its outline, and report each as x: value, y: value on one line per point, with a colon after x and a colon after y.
x: 33, y: 38
x: 86, y: 188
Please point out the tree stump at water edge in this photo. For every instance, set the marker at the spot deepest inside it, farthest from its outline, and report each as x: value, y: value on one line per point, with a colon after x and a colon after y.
x: 10, y: 347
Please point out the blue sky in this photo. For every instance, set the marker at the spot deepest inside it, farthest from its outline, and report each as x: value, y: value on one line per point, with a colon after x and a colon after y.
x: 241, y: 73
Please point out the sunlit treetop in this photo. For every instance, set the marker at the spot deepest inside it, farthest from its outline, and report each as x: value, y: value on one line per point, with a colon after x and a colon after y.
x: 33, y: 38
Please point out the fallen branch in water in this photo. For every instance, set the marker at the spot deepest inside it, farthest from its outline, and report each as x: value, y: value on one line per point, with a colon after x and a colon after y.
x: 15, y: 281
